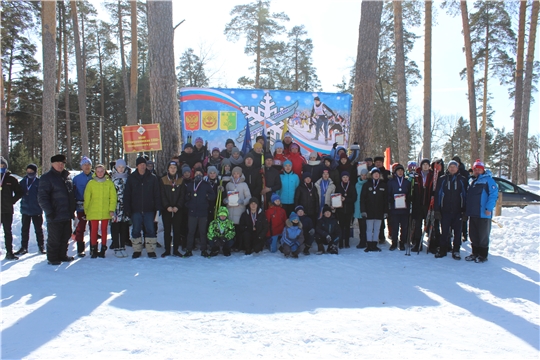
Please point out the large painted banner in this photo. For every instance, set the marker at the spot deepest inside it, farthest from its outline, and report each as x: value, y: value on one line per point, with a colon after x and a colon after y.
x: 316, y: 120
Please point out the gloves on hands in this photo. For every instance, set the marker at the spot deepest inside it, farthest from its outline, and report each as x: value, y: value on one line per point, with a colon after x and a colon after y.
x: 364, y: 215
x: 312, y: 232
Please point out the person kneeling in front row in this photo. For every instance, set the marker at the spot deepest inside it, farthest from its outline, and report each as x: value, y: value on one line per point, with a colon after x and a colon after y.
x: 327, y: 232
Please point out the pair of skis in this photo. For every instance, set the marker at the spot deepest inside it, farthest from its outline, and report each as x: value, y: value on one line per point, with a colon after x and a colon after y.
x: 430, y: 218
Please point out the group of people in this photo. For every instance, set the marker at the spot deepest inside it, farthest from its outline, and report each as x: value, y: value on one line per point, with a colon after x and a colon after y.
x: 224, y: 201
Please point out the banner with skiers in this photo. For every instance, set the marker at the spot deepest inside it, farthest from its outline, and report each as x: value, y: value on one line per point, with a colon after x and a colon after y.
x: 316, y: 120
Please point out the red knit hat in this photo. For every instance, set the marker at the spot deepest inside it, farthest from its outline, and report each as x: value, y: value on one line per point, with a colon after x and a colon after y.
x: 478, y: 164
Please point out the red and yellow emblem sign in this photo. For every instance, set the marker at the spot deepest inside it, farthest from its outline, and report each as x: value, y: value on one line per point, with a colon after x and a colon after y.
x: 209, y: 120
x: 191, y: 120
x: 145, y: 137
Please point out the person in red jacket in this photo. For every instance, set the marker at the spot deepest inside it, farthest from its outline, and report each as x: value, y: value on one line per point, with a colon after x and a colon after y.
x: 297, y: 159
x: 276, y: 217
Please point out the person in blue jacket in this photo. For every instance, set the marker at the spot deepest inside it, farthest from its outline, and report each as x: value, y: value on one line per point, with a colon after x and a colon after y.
x: 450, y: 205
x: 31, y: 211
x: 481, y: 198
x: 289, y: 183
x: 399, y: 188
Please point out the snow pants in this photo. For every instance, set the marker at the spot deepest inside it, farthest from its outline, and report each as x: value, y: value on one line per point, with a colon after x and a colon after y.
x: 59, y: 233
x: 479, y: 230
x: 451, y: 223
x: 25, y: 230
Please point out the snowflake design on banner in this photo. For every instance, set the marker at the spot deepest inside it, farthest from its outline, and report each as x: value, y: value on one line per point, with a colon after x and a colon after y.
x: 256, y: 116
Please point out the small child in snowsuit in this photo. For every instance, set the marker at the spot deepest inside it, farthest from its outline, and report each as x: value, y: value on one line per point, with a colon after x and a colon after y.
x: 328, y: 232
x: 293, y: 236
x: 221, y: 233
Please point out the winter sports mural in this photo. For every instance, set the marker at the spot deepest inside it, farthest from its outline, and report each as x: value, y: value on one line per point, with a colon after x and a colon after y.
x: 316, y: 120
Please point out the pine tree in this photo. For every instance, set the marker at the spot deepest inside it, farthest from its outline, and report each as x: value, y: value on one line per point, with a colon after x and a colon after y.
x: 259, y: 26
x: 191, y: 72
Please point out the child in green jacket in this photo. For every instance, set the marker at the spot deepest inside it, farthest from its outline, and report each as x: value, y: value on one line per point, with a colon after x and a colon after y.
x: 221, y: 233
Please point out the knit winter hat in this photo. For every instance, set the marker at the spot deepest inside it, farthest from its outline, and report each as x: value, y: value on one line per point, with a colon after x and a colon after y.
x: 364, y: 172
x: 345, y: 173
x: 379, y: 158
x: 140, y: 160
x: 453, y: 162
x: 294, y: 217
x: 306, y: 175
x: 456, y: 158
x: 411, y: 165
x: 199, y: 139
x: 120, y: 162
x: 211, y: 169
x: 287, y: 162
x: 225, y: 162
x: 235, y: 150
x: 313, y: 154
x: 298, y: 208
x: 287, y: 134
x: 186, y: 169
x: 238, y: 170
x: 248, y: 156
x: 257, y: 145
x: 188, y: 145
x: 32, y: 167
x: 268, y: 156
x: 399, y: 166
x: 326, y: 208
x: 425, y: 161
x: 172, y: 163
x: 295, y: 145
x: 254, y: 200
x: 478, y: 165
x: 326, y: 169
x: 216, y: 149
x: 274, y: 197
x: 3, y: 161
x: 375, y: 170
x: 85, y: 160
x: 229, y: 141
x: 278, y: 145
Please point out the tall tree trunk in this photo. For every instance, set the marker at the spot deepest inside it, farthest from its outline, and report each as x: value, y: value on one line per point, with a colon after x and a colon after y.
x: 48, y: 33
x: 518, y: 93
x: 366, y: 76
x: 102, y: 98
x: 133, y: 89
x: 66, y: 87
x: 527, y: 87
x: 485, y: 97
x: 403, y: 141
x: 470, y: 80
x: 163, y: 86
x: 4, y: 142
x: 81, y: 80
x: 59, y: 69
x: 427, y: 81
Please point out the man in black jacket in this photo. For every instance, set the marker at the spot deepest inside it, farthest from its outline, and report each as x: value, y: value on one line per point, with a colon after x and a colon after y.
x: 57, y: 199
x: 272, y: 180
x: 11, y: 192
x: 142, y: 199
x: 252, y: 175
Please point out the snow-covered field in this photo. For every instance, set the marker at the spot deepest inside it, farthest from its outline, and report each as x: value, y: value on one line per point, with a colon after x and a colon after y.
x: 353, y: 305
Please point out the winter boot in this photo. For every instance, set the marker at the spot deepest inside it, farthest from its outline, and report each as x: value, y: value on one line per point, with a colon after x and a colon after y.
x: 21, y: 251
x: 11, y: 256
x: 93, y: 252
x: 80, y: 249
x: 41, y: 249
x: 375, y: 247
x: 474, y: 254
x: 362, y: 244
x: 369, y: 246
x: 482, y: 255
x: 177, y: 253
x: 441, y: 252
x: 136, y: 254
x: 333, y: 249
x: 204, y: 253
x: 102, y: 252
x: 226, y: 251
x: 393, y: 246
x: 152, y: 255
x: 306, y: 250
x: 214, y: 251
x: 188, y: 254
x: 456, y: 255
x: 166, y: 253
x: 401, y: 246
x: 320, y: 249
x: 347, y: 244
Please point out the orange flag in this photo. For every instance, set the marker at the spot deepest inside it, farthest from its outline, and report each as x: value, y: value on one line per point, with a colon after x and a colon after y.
x: 387, y: 159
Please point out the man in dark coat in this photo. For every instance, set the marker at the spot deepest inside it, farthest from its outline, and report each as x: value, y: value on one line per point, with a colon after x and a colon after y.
x: 421, y: 197
x: 252, y: 175
x: 142, y: 199
x: 307, y: 196
x: 198, y: 195
x: 31, y: 211
x: 450, y: 205
x: 272, y: 180
x: 11, y: 192
x: 463, y: 172
x: 57, y: 199
x: 399, y: 190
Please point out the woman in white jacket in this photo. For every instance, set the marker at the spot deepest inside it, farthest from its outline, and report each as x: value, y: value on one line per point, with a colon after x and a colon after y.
x: 325, y: 187
x: 238, y: 184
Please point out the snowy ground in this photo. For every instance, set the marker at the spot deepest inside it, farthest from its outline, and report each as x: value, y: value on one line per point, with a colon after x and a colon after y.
x: 353, y: 305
